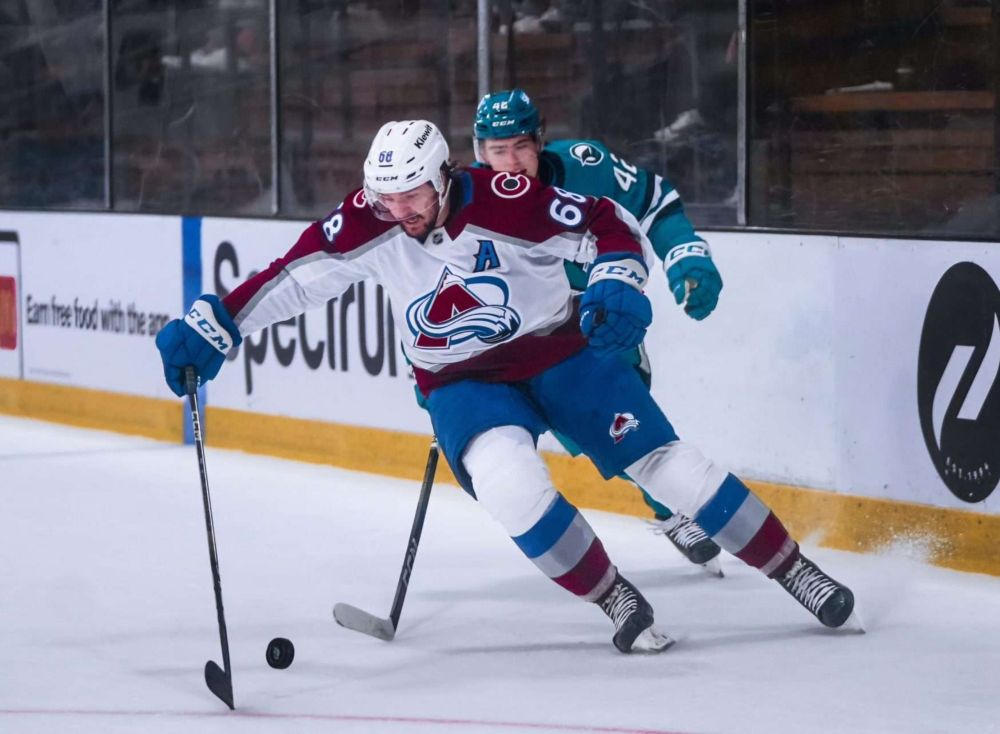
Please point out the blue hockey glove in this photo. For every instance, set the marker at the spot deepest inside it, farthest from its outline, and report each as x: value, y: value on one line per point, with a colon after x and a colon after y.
x: 201, y: 339
x: 692, y: 274
x: 614, y: 313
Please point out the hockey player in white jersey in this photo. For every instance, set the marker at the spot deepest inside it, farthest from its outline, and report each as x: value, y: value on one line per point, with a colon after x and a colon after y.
x: 473, y: 262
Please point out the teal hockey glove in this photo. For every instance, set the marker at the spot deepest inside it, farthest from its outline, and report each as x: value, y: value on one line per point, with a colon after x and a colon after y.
x: 692, y: 275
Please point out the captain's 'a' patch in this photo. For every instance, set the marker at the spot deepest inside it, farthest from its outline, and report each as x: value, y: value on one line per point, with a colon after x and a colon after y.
x: 486, y: 258
x: 586, y: 154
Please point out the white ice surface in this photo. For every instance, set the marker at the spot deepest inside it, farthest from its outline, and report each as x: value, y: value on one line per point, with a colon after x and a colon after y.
x: 107, y: 614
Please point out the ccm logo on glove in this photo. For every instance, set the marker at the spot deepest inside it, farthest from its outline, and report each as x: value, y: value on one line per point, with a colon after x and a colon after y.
x: 691, y: 249
x: 693, y: 278
x: 629, y: 271
x: 202, y: 320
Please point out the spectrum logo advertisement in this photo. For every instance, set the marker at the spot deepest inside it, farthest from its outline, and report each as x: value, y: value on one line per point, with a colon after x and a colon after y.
x: 8, y: 313
x: 958, y: 390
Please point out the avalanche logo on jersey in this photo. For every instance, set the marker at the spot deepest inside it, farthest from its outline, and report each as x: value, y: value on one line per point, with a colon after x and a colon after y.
x: 622, y: 424
x: 587, y: 154
x: 460, y: 309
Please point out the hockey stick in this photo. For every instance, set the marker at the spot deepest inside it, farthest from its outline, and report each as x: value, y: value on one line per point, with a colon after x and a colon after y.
x: 385, y: 629
x: 219, y: 680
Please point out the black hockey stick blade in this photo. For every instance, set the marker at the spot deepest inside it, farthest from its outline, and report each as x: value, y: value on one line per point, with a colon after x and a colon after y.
x: 220, y: 683
x: 361, y: 621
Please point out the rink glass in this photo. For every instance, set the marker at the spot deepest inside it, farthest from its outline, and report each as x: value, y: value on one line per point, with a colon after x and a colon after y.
x: 847, y: 116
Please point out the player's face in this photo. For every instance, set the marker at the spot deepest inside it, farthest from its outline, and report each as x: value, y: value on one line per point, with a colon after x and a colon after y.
x: 416, y: 210
x: 511, y: 155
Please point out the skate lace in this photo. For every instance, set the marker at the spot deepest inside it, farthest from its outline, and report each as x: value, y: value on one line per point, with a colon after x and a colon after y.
x: 809, y: 585
x: 620, y: 604
x: 681, y: 530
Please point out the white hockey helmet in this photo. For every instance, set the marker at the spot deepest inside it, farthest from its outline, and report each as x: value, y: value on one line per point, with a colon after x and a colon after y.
x: 404, y: 155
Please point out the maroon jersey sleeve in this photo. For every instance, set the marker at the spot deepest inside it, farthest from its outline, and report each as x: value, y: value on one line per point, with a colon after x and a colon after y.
x: 310, y: 241
x: 527, y: 209
x: 319, y: 266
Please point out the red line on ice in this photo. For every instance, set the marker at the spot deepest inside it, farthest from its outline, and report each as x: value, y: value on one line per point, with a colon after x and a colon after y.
x: 338, y: 717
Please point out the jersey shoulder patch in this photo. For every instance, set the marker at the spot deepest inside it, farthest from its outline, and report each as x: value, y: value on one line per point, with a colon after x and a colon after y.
x: 586, y: 154
x: 501, y: 186
x: 587, y: 166
x: 510, y: 185
x: 515, y: 205
x: 579, y: 153
x: 591, y: 168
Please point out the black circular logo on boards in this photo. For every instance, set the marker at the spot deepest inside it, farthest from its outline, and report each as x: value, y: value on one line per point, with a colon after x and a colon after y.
x: 958, y: 390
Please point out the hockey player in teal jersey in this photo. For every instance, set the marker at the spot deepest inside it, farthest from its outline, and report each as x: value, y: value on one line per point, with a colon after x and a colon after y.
x: 509, y: 136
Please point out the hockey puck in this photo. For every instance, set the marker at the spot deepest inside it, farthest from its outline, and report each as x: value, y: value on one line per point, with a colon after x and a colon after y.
x: 280, y: 653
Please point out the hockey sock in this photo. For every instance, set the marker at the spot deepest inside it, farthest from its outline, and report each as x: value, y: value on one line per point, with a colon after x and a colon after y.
x: 565, y: 548
x: 736, y: 519
x: 513, y: 484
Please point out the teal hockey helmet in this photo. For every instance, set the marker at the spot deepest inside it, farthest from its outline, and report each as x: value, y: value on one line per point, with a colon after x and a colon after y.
x: 506, y: 114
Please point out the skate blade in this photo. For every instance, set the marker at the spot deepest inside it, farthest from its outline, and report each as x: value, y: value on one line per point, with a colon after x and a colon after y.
x: 713, y: 567
x: 651, y: 641
x: 854, y: 625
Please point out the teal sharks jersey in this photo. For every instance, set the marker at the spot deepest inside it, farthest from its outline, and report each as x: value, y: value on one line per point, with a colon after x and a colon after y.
x: 588, y: 167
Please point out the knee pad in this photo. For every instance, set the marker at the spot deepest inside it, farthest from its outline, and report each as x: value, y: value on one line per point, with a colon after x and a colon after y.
x: 509, y: 477
x: 679, y: 476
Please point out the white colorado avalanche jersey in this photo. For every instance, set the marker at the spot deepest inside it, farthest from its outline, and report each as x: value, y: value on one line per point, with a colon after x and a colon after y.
x: 485, y: 296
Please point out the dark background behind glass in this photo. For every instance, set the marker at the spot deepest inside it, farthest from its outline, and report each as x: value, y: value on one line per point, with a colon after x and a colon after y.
x: 875, y: 116
x: 656, y: 81
x: 348, y: 68
x: 52, y: 104
x: 191, y: 101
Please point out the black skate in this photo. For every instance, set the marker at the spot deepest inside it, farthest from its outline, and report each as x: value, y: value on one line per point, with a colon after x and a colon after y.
x: 830, y: 601
x: 633, y: 619
x: 690, y: 540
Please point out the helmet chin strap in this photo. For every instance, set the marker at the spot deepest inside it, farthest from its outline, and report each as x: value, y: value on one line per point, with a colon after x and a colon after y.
x: 443, y: 203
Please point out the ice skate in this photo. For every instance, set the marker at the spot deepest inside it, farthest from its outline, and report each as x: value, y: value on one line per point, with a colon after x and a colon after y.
x: 691, y: 541
x: 633, y: 619
x: 830, y: 601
